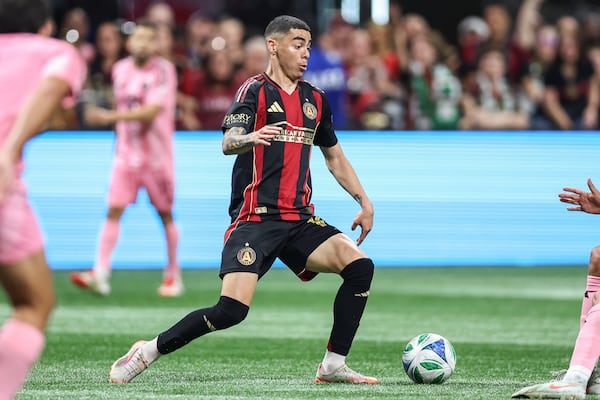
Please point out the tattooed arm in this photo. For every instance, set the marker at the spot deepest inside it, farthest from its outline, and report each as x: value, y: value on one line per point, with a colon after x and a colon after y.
x: 237, y: 141
x: 342, y: 170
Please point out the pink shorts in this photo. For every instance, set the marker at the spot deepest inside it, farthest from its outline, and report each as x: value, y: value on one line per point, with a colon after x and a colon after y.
x: 20, y: 234
x: 127, y: 181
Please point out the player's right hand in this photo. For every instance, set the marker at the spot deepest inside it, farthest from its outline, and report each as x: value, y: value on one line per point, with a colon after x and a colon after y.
x: 265, y: 135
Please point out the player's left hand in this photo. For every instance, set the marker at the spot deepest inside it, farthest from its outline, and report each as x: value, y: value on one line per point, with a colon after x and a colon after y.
x: 364, y: 219
x: 588, y: 202
x: 7, y: 174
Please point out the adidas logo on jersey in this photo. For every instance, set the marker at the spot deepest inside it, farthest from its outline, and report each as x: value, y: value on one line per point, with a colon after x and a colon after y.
x: 275, y: 108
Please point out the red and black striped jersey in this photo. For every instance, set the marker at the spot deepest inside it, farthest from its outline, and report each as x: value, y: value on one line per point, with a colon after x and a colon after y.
x: 273, y: 182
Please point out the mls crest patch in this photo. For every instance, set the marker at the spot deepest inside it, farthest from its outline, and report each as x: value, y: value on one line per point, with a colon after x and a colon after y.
x: 246, y: 255
x: 309, y: 110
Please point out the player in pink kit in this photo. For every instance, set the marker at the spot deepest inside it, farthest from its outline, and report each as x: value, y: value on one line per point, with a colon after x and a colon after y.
x: 580, y: 379
x: 38, y: 74
x: 145, y: 87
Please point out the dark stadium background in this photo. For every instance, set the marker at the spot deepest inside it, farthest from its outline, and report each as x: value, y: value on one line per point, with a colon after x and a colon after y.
x: 441, y: 14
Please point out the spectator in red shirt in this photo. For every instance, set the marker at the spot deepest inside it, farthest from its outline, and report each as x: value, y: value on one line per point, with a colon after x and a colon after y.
x: 212, y: 87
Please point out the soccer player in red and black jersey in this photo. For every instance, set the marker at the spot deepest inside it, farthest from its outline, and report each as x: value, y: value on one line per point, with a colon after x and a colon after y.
x: 275, y: 119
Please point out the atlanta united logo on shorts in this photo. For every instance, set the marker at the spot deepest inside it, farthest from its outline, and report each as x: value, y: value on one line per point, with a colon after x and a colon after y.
x: 309, y: 110
x: 246, y: 255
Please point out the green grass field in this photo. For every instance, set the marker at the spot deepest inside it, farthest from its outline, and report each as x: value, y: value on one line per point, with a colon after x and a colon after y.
x: 509, y: 326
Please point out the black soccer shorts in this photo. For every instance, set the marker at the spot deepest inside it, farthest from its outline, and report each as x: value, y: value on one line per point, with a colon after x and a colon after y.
x: 253, y: 246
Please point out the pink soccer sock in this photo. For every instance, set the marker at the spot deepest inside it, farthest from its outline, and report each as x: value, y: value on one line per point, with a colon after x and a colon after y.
x: 20, y: 347
x: 592, y: 286
x: 108, y: 240
x: 587, y: 345
x: 172, y: 238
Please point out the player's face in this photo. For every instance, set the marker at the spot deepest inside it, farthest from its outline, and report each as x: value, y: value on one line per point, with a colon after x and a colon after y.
x: 292, y: 52
x: 142, y: 44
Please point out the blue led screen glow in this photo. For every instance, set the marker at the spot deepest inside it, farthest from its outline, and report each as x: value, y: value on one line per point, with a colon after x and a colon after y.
x: 441, y: 198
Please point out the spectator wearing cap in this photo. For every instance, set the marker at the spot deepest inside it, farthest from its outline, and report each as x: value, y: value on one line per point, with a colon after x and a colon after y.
x: 472, y: 33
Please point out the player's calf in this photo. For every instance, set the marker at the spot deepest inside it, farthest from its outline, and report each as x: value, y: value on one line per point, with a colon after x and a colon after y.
x: 225, y: 314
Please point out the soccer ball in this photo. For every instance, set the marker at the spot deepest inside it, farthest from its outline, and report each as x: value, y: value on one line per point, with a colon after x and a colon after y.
x: 429, y: 358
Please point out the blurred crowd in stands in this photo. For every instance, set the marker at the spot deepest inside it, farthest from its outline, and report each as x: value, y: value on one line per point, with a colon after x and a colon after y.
x: 498, y: 73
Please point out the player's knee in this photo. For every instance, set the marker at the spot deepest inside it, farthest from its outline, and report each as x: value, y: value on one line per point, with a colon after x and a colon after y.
x: 348, y: 250
x: 226, y: 313
x: 115, y: 213
x: 35, y: 311
x: 35, y: 306
x: 166, y: 217
x: 594, y: 267
x: 359, y: 272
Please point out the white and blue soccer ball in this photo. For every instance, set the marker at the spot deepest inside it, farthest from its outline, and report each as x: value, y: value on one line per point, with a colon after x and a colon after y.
x: 429, y: 358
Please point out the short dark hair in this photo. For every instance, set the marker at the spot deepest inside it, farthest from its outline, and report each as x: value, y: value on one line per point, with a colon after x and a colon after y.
x: 283, y: 24
x: 20, y: 16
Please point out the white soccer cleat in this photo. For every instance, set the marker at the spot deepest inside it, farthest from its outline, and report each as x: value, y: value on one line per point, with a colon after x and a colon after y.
x: 129, y: 366
x: 171, y: 287
x: 552, y: 390
x: 593, y: 384
x: 343, y: 375
x: 91, y: 281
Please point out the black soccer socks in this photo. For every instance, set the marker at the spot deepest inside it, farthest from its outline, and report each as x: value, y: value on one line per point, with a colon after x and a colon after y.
x: 350, y: 303
x: 226, y: 313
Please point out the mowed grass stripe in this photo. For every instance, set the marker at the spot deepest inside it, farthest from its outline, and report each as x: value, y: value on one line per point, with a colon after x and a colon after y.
x: 502, y: 342
x: 504, y: 326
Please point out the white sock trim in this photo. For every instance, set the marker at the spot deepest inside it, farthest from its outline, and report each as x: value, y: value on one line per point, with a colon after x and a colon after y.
x: 102, y: 273
x: 577, y: 374
x: 332, y: 361
x: 150, y: 350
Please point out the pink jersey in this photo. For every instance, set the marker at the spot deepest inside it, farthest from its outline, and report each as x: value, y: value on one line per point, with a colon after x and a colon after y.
x: 145, y: 144
x: 26, y: 59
